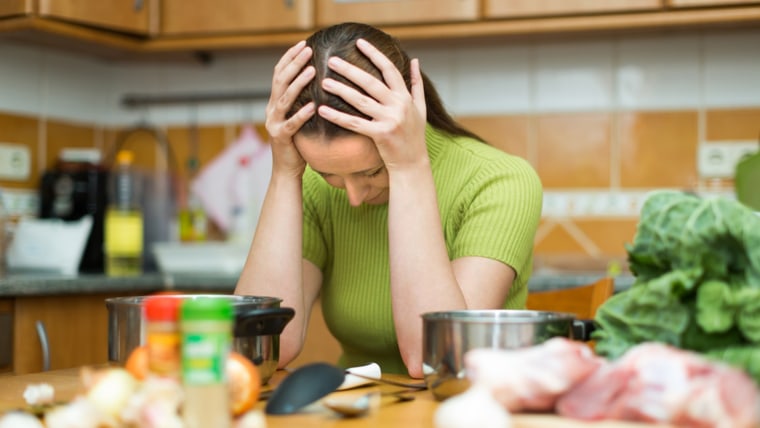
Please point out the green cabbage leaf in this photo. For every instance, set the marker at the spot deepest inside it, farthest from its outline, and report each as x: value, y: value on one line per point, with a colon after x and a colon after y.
x: 696, y: 263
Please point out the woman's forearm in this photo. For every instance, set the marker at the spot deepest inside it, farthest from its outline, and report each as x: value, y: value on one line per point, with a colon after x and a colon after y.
x: 274, y: 263
x: 422, y: 278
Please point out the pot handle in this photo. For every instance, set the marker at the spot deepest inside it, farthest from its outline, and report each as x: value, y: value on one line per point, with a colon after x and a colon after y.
x: 582, y: 329
x: 44, y: 344
x: 262, y: 322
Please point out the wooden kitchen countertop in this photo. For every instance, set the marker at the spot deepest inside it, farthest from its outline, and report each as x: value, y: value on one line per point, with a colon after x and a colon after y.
x: 416, y: 413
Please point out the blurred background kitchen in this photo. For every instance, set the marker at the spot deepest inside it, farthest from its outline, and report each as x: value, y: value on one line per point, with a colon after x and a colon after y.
x: 608, y: 100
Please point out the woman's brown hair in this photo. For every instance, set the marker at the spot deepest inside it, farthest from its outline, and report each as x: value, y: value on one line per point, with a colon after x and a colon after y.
x: 340, y: 40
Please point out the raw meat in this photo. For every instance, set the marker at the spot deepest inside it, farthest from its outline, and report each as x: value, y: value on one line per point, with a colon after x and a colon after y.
x: 531, y: 378
x: 654, y: 382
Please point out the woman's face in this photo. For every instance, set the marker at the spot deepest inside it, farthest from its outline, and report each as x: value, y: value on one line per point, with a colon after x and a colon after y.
x: 349, y: 162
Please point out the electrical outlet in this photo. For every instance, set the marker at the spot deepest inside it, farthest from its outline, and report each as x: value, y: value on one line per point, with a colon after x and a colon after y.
x: 15, y: 162
x: 718, y: 159
x: 20, y: 203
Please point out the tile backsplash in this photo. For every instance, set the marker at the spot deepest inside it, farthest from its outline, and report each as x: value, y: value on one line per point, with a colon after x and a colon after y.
x: 603, y: 119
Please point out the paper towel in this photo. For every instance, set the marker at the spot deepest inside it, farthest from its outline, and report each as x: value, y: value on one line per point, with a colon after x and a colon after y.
x: 236, y: 182
x: 372, y: 370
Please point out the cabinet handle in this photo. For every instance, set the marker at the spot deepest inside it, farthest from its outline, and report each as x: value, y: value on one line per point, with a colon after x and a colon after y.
x: 138, y: 5
x: 288, y: 3
x: 44, y: 345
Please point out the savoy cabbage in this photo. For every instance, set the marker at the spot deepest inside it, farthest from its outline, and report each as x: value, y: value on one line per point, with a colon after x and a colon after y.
x: 696, y: 263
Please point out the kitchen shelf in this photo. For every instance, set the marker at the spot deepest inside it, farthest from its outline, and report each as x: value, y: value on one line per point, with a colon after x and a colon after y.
x: 121, y: 46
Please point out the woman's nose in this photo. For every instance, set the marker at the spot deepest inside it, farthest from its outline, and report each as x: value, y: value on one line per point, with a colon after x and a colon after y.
x: 356, y: 192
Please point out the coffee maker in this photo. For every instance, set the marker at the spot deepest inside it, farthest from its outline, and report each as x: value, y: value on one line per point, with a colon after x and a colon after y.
x: 73, y: 188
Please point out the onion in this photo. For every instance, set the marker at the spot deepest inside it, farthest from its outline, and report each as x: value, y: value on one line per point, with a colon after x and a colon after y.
x: 110, y: 389
x: 79, y: 413
x: 20, y: 420
x: 475, y: 407
x: 38, y: 394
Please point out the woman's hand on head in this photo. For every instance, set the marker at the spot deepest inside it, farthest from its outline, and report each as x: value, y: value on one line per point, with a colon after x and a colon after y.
x: 288, y: 80
x: 397, y: 115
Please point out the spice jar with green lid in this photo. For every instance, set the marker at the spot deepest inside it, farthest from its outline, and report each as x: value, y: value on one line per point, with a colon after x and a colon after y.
x: 206, y: 330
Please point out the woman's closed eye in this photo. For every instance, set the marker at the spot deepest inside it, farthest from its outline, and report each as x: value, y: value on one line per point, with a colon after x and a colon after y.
x: 369, y: 173
x: 375, y: 173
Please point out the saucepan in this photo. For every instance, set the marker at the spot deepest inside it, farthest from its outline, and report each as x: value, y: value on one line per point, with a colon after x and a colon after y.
x: 448, y: 335
x: 259, y: 320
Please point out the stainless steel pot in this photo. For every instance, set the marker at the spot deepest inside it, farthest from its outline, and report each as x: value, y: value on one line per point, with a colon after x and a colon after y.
x: 256, y: 334
x: 448, y: 335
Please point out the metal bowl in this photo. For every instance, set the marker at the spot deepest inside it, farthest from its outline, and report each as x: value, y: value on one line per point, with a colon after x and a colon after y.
x: 448, y: 335
x: 256, y: 334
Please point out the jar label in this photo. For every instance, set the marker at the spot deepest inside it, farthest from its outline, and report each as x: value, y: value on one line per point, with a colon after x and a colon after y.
x: 164, y: 353
x: 204, y: 356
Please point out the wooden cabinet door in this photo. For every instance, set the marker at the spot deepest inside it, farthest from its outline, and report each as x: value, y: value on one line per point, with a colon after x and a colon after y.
x: 515, y: 8
x: 16, y: 7
x: 383, y: 12
x: 76, y: 328
x: 132, y: 16
x: 235, y: 16
x: 6, y: 335
x: 689, y: 3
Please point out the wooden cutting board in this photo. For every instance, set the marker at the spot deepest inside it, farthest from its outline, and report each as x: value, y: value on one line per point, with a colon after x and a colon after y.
x: 417, y: 413
x: 552, y: 421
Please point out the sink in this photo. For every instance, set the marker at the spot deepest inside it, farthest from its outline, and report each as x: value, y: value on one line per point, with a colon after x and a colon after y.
x: 211, y: 258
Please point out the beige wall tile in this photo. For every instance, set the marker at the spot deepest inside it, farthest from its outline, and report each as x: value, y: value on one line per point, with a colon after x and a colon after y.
x: 558, y: 241
x: 574, y: 150
x: 733, y: 124
x: 609, y: 235
x: 658, y: 149
x: 508, y: 133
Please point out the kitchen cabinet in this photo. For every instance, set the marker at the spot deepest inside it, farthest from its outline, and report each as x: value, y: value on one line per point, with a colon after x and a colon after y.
x: 135, y: 16
x: 690, y: 3
x: 75, y: 327
x: 16, y: 7
x: 119, y: 31
x: 235, y: 16
x: 393, y: 13
x: 522, y: 8
x: 6, y: 335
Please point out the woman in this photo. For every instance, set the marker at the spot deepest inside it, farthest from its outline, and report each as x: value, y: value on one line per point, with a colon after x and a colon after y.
x: 381, y: 203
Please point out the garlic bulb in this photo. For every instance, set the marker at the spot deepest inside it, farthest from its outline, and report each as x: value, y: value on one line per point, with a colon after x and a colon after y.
x: 476, y: 407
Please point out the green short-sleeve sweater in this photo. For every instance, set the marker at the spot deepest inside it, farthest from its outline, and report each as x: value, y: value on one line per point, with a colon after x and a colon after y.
x: 490, y: 205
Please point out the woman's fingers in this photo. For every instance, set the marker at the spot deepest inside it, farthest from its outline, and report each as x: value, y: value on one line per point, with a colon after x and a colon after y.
x: 288, y: 68
x: 391, y: 74
x: 376, y: 88
x: 290, y: 76
x: 292, y: 125
x: 349, y: 121
x: 418, y: 87
x: 287, y: 60
x: 285, y: 101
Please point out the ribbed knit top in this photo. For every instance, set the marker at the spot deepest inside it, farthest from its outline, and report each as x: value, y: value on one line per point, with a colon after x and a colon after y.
x: 490, y: 205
